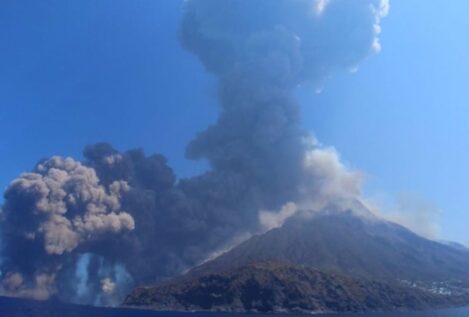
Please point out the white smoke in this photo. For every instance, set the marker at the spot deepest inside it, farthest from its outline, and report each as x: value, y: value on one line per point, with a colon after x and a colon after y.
x: 271, y: 220
x: 108, y: 285
x: 332, y: 179
x: 410, y: 210
x: 331, y: 184
x: 42, y: 287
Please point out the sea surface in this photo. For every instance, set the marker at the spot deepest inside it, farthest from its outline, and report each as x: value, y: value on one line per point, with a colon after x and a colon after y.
x: 100, y: 312
x: 10, y: 307
x: 460, y: 312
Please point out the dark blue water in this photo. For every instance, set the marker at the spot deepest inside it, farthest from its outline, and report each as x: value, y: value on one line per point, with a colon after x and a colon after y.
x: 461, y: 312
x: 23, y: 308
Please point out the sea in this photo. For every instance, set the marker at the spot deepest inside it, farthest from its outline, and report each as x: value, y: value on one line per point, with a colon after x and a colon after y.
x: 459, y: 312
x: 100, y: 312
x: 11, y: 307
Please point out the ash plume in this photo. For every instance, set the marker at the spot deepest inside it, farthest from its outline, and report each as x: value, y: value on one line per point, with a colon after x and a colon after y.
x: 51, y: 212
x: 261, y: 50
x: 119, y: 219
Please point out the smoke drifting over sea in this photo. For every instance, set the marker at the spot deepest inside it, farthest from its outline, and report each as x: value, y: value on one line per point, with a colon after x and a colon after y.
x: 118, y: 219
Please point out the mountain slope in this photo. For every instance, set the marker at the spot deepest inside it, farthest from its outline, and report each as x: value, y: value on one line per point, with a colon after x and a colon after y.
x: 352, y: 244
x: 330, y: 262
x: 273, y: 287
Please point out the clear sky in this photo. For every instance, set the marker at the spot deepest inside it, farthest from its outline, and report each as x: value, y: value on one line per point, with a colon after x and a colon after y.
x: 79, y: 72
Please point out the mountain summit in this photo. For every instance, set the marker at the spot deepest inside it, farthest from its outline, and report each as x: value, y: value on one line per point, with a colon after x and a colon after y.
x: 352, y: 243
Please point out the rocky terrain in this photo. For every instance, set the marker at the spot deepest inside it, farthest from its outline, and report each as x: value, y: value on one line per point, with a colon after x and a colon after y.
x: 329, y: 262
x: 274, y: 287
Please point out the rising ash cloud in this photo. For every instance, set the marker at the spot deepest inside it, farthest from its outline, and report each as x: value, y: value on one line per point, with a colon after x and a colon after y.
x: 118, y: 219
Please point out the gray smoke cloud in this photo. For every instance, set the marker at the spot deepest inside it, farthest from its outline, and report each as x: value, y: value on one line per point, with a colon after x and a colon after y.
x: 119, y: 219
x: 261, y: 50
x: 49, y: 213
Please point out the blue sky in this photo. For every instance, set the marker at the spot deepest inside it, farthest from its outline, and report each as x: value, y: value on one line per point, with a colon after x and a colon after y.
x: 78, y: 72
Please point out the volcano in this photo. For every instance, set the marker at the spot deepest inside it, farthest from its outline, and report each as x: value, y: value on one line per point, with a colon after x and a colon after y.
x: 331, y: 261
x: 352, y: 242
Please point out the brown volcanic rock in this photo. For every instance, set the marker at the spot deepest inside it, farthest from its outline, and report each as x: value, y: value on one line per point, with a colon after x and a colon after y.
x: 337, y: 262
x: 279, y: 287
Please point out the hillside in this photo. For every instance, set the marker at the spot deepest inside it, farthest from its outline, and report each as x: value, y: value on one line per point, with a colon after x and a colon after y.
x: 274, y: 287
x: 329, y: 262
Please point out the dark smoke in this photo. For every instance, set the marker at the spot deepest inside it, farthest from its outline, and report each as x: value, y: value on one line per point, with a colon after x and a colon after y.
x: 120, y: 219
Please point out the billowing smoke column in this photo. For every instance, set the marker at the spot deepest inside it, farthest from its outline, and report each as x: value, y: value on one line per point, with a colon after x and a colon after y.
x: 260, y: 51
x: 90, y: 230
